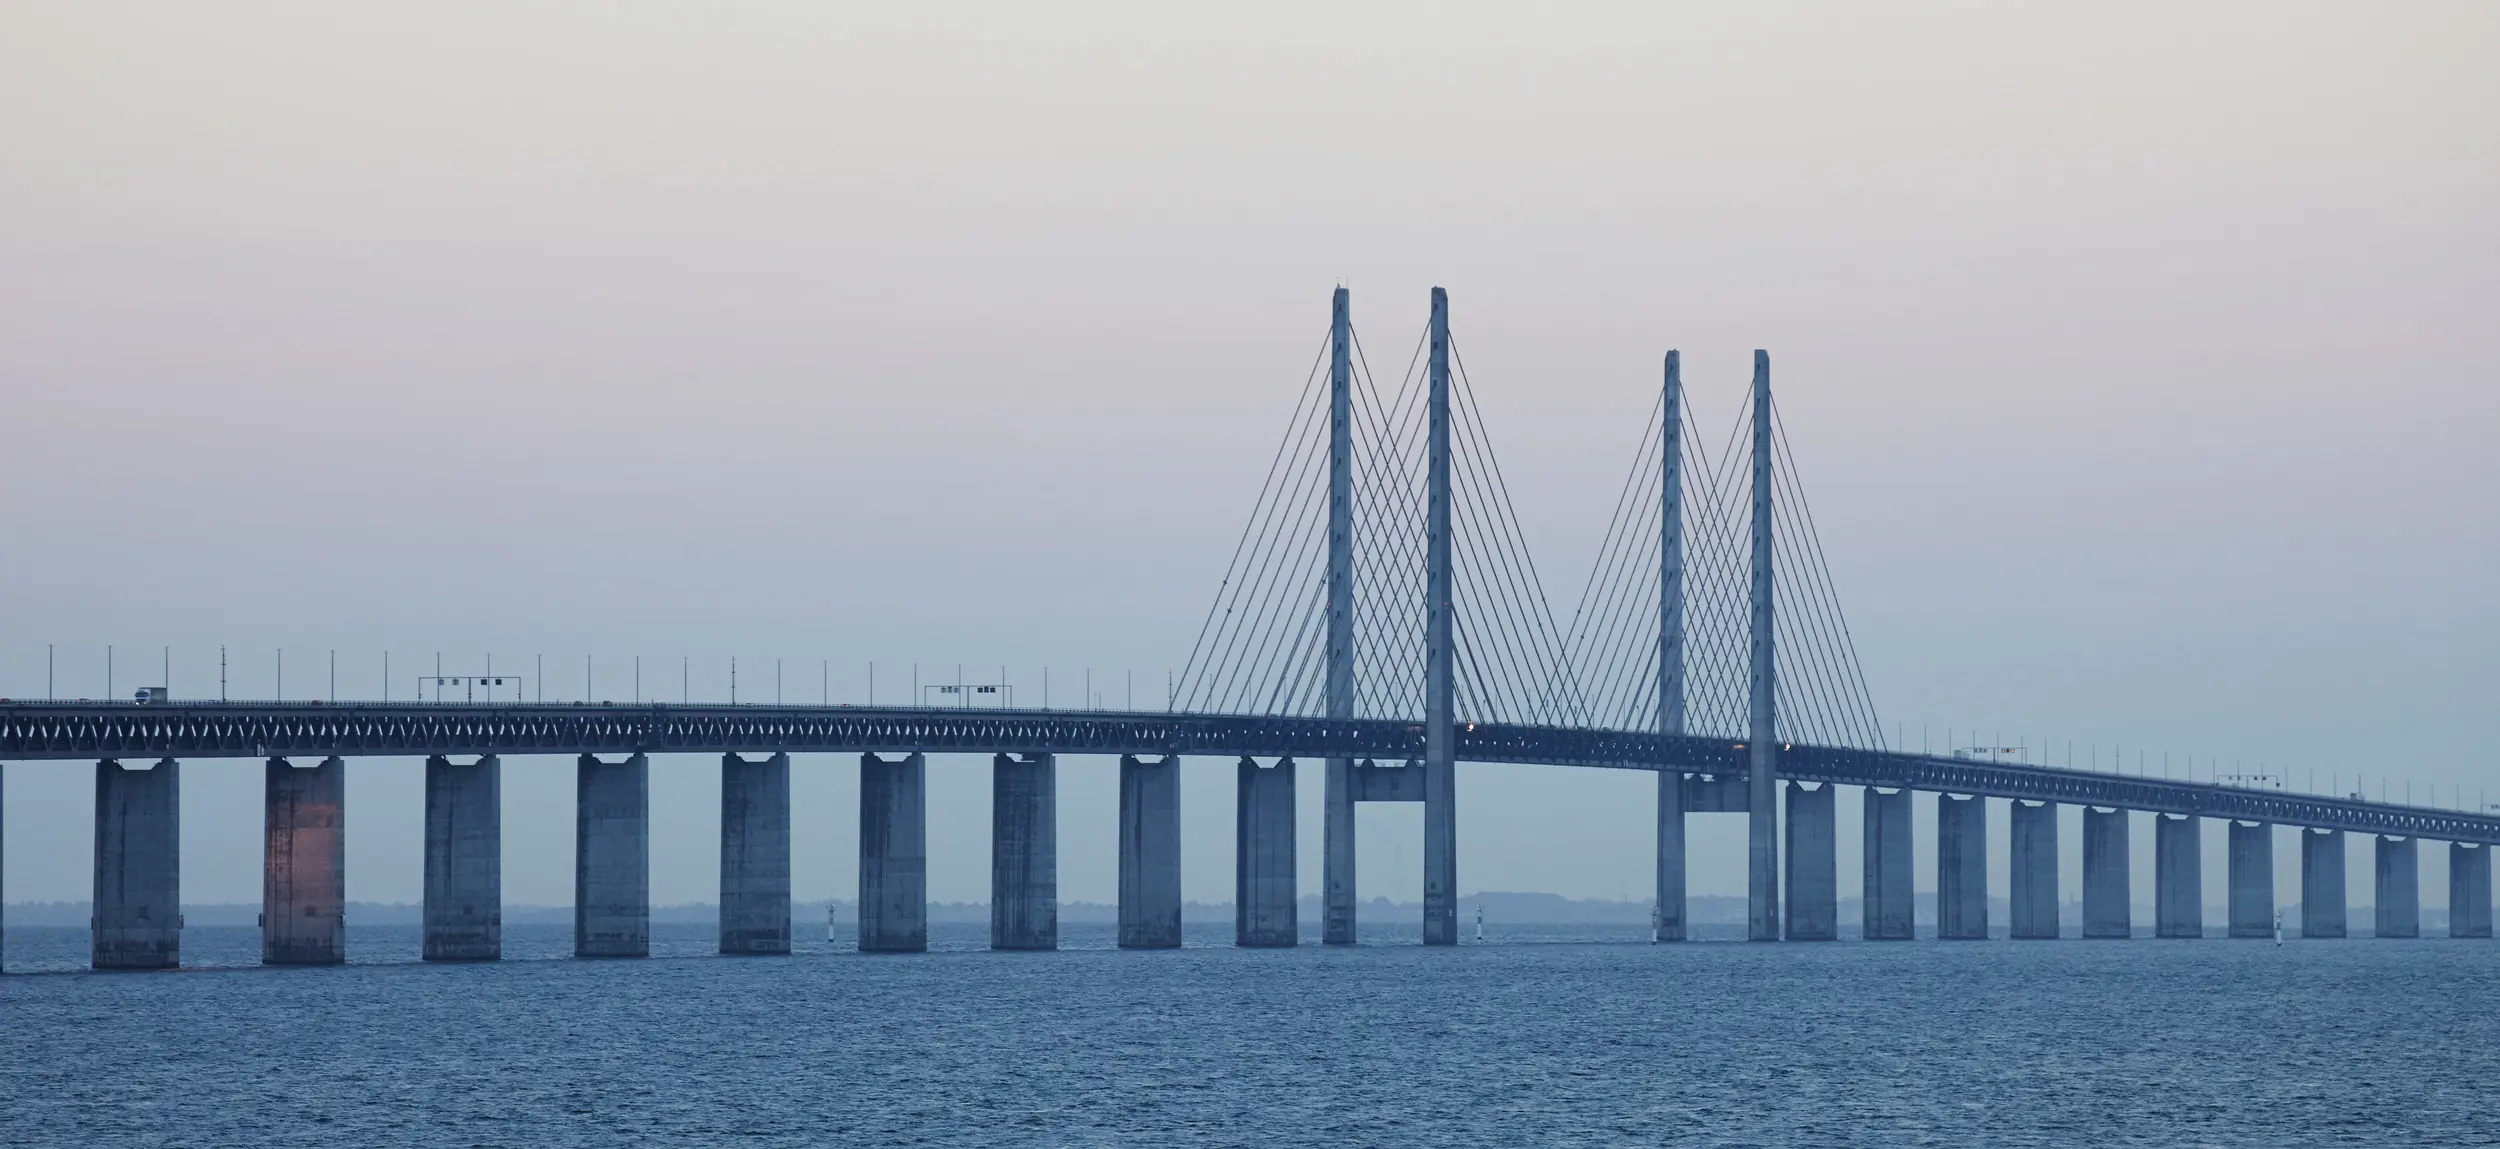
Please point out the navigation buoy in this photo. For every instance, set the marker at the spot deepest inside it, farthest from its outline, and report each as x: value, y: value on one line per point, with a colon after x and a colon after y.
x: 1654, y: 923
x: 832, y: 910
x: 1479, y: 919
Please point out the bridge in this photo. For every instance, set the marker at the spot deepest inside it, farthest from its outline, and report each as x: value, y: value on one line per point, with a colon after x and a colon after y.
x: 1380, y: 617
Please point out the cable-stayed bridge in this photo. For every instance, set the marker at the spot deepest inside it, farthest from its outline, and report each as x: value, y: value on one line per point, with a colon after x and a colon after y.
x: 1380, y: 616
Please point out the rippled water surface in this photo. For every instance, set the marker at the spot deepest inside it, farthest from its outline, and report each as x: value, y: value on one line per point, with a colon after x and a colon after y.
x: 1573, y: 1035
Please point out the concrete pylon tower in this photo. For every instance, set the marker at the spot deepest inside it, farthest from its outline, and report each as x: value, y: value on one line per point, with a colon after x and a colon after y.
x: 1762, y: 863
x: 1337, y: 819
x: 1670, y: 897
x: 1440, y: 688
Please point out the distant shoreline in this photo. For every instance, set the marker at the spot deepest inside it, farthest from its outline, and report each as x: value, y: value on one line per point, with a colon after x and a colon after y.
x: 1499, y: 906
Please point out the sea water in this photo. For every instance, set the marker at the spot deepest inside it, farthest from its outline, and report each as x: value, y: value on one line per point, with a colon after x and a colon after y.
x: 1564, y: 1035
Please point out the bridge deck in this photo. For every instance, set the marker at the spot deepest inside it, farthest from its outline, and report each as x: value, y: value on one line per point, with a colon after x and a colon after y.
x: 85, y: 730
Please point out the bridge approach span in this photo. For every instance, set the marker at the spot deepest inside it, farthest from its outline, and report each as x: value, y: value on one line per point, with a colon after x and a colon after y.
x: 89, y: 730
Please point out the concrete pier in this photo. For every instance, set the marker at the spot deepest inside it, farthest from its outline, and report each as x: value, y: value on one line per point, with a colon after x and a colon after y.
x: 1264, y: 909
x: 1813, y: 865
x: 2252, y: 879
x: 1440, y: 851
x: 2322, y: 913
x: 1024, y: 852
x: 1150, y: 853
x: 2178, y: 877
x: 1889, y: 903
x: 612, y: 857
x: 893, y: 854
x: 1961, y: 868
x: 2399, y: 888
x: 2469, y: 890
x: 2108, y: 899
x: 1670, y: 892
x: 138, y: 866
x: 2032, y: 870
x: 1336, y: 894
x: 303, y: 872
x: 755, y: 855
x: 463, y: 859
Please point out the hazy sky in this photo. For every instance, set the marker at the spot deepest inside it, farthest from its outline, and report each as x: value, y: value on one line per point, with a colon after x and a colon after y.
x: 2140, y: 361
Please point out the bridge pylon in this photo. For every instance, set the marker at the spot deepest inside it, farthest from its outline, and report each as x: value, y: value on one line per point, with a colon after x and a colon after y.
x: 1667, y: 911
x: 1762, y: 863
x: 1440, y: 684
x: 1337, y: 819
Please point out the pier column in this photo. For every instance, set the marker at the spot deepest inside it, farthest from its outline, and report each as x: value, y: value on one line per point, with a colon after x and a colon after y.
x: 463, y: 859
x: 1961, y: 868
x: 612, y: 857
x: 2108, y: 899
x: 755, y: 855
x: 1670, y: 895
x: 893, y: 854
x: 1337, y: 869
x: 2178, y: 877
x: 2469, y: 890
x: 1024, y: 852
x: 2032, y: 867
x: 1150, y: 853
x: 138, y: 866
x: 2322, y: 913
x: 303, y: 873
x: 1813, y: 865
x: 1889, y: 904
x: 2252, y: 879
x: 2399, y: 888
x: 1264, y: 909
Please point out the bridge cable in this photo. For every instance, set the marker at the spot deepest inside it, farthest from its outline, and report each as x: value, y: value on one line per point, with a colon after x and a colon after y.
x: 1806, y: 683
x: 1283, y: 571
x: 1620, y: 622
x: 1288, y: 515
x: 1716, y: 674
x: 1267, y: 516
x: 1848, y: 645
x: 1232, y: 566
x: 1530, y: 637
x: 1389, y: 545
x: 1610, y: 557
x: 1482, y: 590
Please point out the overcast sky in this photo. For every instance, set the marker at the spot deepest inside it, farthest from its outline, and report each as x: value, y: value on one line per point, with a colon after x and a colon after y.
x: 2139, y: 358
